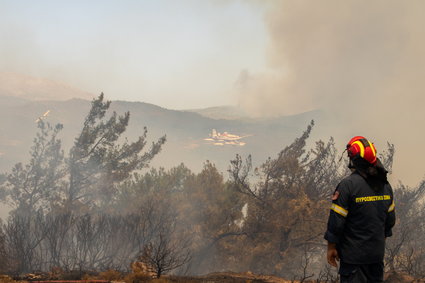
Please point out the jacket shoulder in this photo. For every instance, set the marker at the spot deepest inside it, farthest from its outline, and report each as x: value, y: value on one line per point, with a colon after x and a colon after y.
x: 389, y: 188
x: 349, y: 181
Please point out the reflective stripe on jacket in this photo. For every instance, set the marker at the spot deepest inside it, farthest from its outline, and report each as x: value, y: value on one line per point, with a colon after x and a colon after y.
x: 360, y: 219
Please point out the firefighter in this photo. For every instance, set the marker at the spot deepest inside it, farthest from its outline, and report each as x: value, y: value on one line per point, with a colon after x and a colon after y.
x: 361, y: 216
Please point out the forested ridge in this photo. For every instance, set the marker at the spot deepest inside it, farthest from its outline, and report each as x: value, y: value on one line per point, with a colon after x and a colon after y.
x: 100, y: 207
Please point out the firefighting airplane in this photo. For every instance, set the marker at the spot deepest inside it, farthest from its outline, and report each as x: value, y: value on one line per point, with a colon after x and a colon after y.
x: 42, y: 117
x: 225, y: 138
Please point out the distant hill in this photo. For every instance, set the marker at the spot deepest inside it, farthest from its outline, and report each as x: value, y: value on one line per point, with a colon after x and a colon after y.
x: 185, y: 131
x: 24, y: 98
x: 222, y: 112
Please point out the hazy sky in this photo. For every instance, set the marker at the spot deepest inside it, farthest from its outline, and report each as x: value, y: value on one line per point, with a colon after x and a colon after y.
x: 176, y: 54
x: 360, y: 61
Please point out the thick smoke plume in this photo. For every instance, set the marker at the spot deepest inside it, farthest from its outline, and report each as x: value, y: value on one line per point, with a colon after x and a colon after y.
x: 361, y: 62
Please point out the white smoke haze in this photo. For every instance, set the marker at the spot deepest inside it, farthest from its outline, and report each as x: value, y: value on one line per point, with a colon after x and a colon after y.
x: 362, y: 62
x: 333, y: 52
x: 268, y: 94
x: 33, y: 88
x: 177, y: 54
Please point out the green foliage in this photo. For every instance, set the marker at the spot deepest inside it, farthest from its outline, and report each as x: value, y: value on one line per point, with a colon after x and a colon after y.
x: 157, y: 183
x: 211, y: 211
x: 32, y: 186
x: 99, y: 159
x: 96, y: 209
x: 405, y: 250
x: 87, y: 179
x: 286, y: 204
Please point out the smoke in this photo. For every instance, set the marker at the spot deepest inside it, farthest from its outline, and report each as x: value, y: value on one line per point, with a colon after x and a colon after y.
x: 324, y: 53
x: 362, y: 62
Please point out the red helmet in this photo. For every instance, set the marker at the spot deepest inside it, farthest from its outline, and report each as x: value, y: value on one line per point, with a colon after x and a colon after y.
x: 360, y: 147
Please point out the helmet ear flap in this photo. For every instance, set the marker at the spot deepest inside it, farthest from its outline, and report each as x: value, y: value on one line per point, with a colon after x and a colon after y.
x: 350, y: 164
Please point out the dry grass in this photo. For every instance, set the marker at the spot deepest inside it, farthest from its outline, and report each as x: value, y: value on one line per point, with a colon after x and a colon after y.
x: 6, y: 279
x: 111, y: 275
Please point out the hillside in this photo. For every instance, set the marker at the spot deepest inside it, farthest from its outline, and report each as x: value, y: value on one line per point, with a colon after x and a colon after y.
x: 185, y: 131
x: 222, y: 112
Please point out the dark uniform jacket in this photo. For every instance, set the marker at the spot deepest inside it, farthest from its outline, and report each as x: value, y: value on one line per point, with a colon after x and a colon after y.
x: 360, y: 219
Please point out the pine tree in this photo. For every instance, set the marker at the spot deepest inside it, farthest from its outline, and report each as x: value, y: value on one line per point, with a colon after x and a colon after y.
x: 33, y: 186
x: 101, y: 158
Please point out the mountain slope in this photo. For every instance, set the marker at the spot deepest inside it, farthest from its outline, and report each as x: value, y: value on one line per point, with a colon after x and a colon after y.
x: 185, y: 131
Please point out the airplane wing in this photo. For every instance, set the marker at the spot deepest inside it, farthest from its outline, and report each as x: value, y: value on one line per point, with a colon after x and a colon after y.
x: 42, y: 116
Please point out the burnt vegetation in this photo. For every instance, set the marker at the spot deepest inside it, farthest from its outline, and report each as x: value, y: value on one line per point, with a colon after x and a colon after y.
x: 99, y: 208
